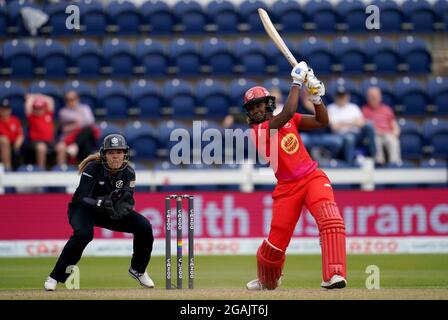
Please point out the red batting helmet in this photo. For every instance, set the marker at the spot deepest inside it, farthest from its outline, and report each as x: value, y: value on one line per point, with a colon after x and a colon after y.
x: 259, y: 94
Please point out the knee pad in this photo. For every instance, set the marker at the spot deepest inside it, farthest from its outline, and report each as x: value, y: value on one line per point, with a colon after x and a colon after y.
x: 332, y: 239
x: 270, y: 261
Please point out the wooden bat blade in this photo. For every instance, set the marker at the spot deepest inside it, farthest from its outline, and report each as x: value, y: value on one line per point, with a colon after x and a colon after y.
x: 275, y: 36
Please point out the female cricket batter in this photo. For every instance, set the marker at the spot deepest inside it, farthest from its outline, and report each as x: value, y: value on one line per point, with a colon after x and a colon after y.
x: 300, y: 182
x: 106, y: 180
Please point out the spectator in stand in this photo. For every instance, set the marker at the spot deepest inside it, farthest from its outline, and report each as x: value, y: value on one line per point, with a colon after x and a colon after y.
x: 387, y: 131
x: 39, y: 110
x: 11, y: 136
x: 79, y: 133
x: 347, y: 121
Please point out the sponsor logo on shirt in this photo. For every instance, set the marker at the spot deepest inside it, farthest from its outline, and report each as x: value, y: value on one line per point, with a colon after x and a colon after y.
x: 290, y: 143
x: 119, y: 184
x: 287, y: 125
x: 101, y: 183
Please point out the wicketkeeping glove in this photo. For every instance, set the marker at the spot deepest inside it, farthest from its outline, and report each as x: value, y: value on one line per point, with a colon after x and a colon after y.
x: 124, y: 205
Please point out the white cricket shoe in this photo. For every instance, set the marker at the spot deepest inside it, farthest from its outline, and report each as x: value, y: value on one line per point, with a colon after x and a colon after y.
x: 50, y: 284
x: 336, y: 282
x: 142, y: 278
x: 255, y: 285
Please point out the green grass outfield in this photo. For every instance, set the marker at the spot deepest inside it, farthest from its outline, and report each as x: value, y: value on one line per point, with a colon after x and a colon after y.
x: 224, y: 277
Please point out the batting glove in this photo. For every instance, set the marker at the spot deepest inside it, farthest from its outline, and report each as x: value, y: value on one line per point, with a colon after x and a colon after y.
x: 315, y: 87
x: 299, y: 73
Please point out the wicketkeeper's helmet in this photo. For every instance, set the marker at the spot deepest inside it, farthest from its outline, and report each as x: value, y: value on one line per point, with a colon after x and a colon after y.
x: 114, y: 142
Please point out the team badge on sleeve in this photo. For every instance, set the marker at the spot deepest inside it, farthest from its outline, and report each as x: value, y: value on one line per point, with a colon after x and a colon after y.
x: 132, y: 184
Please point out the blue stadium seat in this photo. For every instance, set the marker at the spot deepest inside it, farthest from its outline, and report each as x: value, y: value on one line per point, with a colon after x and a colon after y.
x: 85, y: 55
x: 15, y: 93
x: 420, y: 14
x: 391, y: 15
x: 56, y: 24
x: 218, y: 56
x: 382, y: 55
x: 411, y: 97
x: 387, y: 91
x: 353, y: 14
x: 185, y: 56
x: 51, y: 56
x: 317, y: 54
x: 438, y: 91
x: 350, y: 55
x: 180, y: 98
x: 159, y: 15
x: 142, y: 140
x: 164, y: 136
x: 16, y: 25
x: 411, y: 140
x: 113, y: 100
x: 29, y: 168
x: 414, y: 52
x: 85, y: 92
x: 252, y: 56
x: 119, y: 58
x: 283, y: 85
x: 440, y: 8
x: 19, y: 57
x: 323, y: 16
x: 213, y: 96
x: 277, y: 59
x: 249, y: 15
x: 146, y: 98
x: 435, y: 164
x: 224, y: 16
x: 107, y: 128
x: 191, y: 16
x: 237, y: 88
x: 290, y: 15
x: 125, y: 16
x: 152, y: 55
x: 435, y: 133
x: 356, y: 95
x: 93, y: 17
x: 49, y: 89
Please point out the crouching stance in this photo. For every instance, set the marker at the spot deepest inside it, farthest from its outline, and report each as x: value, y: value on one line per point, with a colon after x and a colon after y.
x: 104, y: 198
x: 300, y: 182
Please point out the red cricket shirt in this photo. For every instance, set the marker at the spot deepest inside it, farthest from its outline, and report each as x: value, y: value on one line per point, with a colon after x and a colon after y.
x: 12, y: 128
x: 41, y: 128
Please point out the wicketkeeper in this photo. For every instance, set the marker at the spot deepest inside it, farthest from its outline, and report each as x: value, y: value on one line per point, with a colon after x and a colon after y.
x: 104, y: 198
x: 300, y: 182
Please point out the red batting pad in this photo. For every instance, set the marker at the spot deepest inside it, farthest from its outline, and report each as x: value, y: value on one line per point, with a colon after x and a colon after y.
x: 270, y: 263
x: 332, y: 238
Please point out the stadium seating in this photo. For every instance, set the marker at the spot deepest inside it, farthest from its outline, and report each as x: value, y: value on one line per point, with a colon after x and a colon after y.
x: 185, y: 57
x: 164, y: 131
x: 146, y: 98
x: 353, y: 15
x: 412, y: 97
x: 19, y: 58
x: 3, y: 21
x: 152, y: 56
x: 252, y: 56
x: 113, y: 100
x: 438, y: 91
x: 180, y: 97
x: 237, y: 88
x: 119, y: 58
x: 124, y: 17
x: 323, y: 16
x: 249, y: 15
x: 277, y: 58
x: 218, y: 56
x: 141, y: 139
x: 415, y: 54
x: 419, y: 14
x: 107, y: 128
x: 224, y: 16
x: 93, y: 17
x: 391, y: 15
x: 212, y: 96
x: 387, y: 91
x: 159, y: 16
x: 356, y: 96
x: 191, y: 16
x: 52, y: 58
x: 318, y: 54
x: 290, y: 15
x: 411, y: 139
x: 86, y: 56
x: 435, y: 134
x: 350, y: 55
x: 382, y: 55
x: 16, y: 25
x: 56, y: 24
